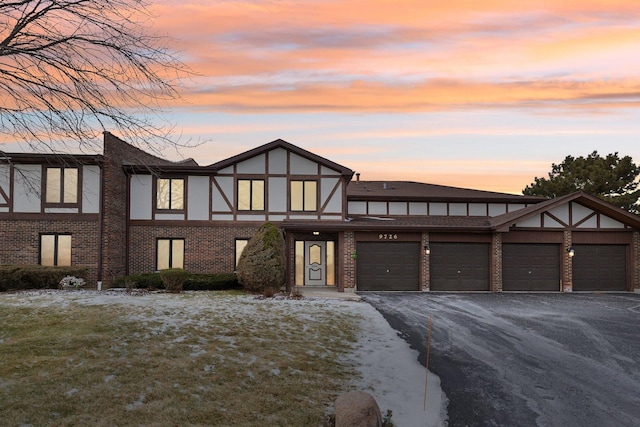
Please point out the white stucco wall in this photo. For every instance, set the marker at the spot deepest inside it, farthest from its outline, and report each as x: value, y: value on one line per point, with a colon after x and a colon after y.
x: 141, y: 197
x: 198, y: 198
x: 278, y: 161
x: 5, y: 180
x: 301, y: 166
x: 226, y: 187
x: 253, y: 165
x: 90, y: 189
x: 277, y: 194
x: 334, y: 204
x: 27, y: 188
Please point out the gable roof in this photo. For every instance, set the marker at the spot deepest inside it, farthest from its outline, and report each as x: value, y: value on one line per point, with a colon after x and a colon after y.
x: 279, y: 143
x: 503, y: 222
x: 417, y: 191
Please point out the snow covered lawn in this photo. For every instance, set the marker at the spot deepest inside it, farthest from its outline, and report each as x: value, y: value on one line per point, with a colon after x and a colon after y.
x: 111, y: 358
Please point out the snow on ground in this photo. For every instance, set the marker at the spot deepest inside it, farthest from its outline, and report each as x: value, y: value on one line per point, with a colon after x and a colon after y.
x: 388, y: 366
x: 392, y: 374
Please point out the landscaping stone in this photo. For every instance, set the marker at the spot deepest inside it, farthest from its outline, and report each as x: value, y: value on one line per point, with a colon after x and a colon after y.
x: 357, y: 409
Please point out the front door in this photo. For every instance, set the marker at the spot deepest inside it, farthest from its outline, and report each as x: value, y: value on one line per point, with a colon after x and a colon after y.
x: 314, y: 263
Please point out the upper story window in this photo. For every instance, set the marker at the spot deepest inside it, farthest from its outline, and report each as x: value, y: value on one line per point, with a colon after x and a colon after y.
x: 61, y: 186
x: 170, y: 193
x: 250, y: 194
x: 304, y: 196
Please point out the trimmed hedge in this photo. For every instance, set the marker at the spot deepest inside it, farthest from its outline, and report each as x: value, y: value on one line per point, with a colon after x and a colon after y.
x: 173, y: 279
x: 19, y: 277
x: 194, y: 282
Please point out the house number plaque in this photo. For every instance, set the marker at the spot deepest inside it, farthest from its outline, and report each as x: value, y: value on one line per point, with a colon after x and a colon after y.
x: 387, y: 236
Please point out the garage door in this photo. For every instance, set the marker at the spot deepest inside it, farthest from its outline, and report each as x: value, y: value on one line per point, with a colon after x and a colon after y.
x: 388, y: 266
x: 530, y: 267
x: 600, y: 268
x: 459, y: 266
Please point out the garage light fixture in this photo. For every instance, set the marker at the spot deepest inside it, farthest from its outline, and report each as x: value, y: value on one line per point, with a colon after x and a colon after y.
x: 571, y: 251
x: 427, y: 250
x: 316, y: 233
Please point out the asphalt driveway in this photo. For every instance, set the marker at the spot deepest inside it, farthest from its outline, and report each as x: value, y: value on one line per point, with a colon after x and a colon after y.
x: 527, y: 359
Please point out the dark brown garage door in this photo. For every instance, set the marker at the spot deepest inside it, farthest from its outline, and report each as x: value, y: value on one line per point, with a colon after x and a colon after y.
x: 388, y: 266
x: 459, y: 266
x: 600, y: 268
x: 530, y: 267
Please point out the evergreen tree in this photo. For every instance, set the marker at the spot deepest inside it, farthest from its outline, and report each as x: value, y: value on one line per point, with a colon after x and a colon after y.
x: 262, y: 263
x: 610, y: 178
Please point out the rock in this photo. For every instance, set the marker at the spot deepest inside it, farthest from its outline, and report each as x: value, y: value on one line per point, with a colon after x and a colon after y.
x: 357, y: 409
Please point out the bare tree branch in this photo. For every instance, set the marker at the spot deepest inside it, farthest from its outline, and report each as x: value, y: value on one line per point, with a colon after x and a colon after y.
x: 70, y: 69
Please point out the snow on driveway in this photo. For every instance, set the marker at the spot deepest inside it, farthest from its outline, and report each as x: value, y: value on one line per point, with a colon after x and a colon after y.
x: 528, y: 359
x: 388, y: 366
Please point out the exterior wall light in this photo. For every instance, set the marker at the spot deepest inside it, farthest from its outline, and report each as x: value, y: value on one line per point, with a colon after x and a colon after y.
x: 316, y: 233
x: 427, y: 250
x: 571, y: 251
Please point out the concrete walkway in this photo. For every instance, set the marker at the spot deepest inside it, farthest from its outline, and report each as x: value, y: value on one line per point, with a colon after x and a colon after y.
x: 327, y: 292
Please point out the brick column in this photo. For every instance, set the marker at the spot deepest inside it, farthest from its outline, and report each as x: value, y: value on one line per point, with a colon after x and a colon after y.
x: 567, y: 263
x: 496, y: 262
x: 349, y: 262
x: 290, y: 246
x: 426, y: 276
x: 635, y: 262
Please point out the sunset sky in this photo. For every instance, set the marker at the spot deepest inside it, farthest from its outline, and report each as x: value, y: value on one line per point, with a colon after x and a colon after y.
x: 479, y: 94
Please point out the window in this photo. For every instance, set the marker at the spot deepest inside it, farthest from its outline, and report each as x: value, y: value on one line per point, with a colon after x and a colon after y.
x: 55, y: 249
x: 170, y: 254
x: 170, y: 193
x: 304, y: 195
x: 61, y: 186
x: 240, y: 245
x: 250, y: 195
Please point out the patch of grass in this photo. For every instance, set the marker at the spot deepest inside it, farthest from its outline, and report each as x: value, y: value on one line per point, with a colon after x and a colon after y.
x: 167, y: 359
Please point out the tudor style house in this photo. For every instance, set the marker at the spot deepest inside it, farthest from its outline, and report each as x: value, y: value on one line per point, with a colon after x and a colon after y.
x: 126, y: 212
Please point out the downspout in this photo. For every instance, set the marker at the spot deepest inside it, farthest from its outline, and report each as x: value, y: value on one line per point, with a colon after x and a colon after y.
x: 126, y: 223
x: 100, y: 227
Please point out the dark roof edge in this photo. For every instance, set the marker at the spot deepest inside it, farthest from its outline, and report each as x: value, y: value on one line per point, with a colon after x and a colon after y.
x: 280, y: 143
x: 501, y: 222
x: 53, y: 158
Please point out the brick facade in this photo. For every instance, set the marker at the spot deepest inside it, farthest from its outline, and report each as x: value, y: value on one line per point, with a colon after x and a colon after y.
x: 115, y: 203
x: 496, y: 262
x: 349, y: 260
x: 567, y: 265
x: 21, y: 242
x: 208, y: 249
x: 636, y: 261
x: 425, y: 273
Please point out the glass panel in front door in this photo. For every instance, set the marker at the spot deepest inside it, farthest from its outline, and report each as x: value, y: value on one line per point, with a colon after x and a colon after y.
x: 314, y: 263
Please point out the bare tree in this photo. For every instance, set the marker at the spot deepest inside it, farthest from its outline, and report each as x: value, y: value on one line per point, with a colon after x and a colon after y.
x: 70, y: 69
